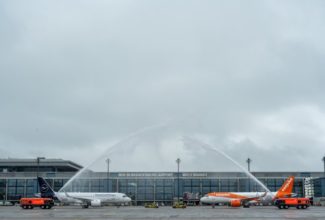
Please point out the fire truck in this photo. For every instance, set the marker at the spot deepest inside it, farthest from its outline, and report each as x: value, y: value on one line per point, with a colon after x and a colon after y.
x: 30, y: 203
x: 299, y: 203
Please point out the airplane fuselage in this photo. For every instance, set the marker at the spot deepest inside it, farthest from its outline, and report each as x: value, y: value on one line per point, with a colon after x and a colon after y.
x: 80, y: 197
x: 226, y: 197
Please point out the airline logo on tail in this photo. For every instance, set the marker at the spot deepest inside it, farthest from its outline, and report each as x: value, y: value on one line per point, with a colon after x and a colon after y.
x: 45, y: 188
x: 286, y: 189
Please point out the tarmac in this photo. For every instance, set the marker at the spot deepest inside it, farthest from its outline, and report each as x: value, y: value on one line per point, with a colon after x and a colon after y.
x: 161, y: 213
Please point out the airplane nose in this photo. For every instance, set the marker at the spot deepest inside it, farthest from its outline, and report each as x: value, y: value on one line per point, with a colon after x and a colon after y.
x: 203, y: 200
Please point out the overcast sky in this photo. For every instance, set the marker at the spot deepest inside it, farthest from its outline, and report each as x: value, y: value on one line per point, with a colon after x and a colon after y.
x: 77, y: 77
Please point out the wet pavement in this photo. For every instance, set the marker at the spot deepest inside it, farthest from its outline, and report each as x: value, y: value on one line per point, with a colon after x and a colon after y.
x: 76, y: 212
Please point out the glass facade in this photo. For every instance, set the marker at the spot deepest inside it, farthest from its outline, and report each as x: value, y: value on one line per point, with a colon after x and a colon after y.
x: 147, y: 188
x: 319, y: 187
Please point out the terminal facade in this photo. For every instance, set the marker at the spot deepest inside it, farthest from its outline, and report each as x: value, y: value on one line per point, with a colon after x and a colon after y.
x: 18, y: 179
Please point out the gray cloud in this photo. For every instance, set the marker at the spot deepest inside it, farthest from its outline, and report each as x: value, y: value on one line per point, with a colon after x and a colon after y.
x: 76, y: 77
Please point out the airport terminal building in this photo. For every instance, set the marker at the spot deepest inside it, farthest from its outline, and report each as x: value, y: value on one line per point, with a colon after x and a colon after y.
x: 18, y: 179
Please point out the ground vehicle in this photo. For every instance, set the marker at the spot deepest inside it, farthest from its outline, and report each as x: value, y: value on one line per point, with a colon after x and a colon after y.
x: 30, y: 203
x: 299, y: 203
x: 151, y: 205
x: 179, y: 205
x: 191, y: 199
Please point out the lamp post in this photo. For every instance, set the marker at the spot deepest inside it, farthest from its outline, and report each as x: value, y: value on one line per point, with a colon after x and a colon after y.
x: 248, y: 161
x: 108, y: 161
x: 178, y: 161
x: 249, y: 164
x: 37, y: 161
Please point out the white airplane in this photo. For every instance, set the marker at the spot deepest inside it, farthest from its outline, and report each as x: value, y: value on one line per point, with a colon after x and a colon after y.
x: 245, y: 199
x: 86, y: 199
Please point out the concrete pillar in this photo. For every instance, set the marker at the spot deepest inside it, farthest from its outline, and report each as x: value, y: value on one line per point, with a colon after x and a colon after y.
x: 324, y: 164
x: 6, y: 196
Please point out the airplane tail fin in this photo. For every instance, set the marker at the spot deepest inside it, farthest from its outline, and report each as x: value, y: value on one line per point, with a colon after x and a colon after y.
x: 286, y: 188
x: 45, y: 188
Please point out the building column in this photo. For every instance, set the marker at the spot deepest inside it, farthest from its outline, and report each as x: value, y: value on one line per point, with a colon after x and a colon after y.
x: 25, y: 185
x: 6, y: 196
x: 154, y: 190
x: 303, y: 188
x: 136, y: 193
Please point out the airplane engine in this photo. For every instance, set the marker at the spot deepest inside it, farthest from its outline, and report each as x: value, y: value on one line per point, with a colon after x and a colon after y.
x: 235, y: 203
x: 95, y: 203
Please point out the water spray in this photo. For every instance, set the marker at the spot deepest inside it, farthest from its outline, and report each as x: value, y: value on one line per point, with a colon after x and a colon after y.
x: 122, y: 143
x: 208, y: 147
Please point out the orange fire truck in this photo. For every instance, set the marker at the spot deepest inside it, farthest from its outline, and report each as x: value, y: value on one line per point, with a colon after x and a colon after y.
x: 30, y: 203
x: 299, y: 203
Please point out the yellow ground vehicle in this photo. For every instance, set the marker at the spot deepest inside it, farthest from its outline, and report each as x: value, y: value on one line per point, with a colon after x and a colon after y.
x: 179, y: 205
x: 151, y: 205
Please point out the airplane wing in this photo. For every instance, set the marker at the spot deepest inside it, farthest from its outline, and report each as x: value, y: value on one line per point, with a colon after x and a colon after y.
x: 253, y: 198
x: 85, y: 200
